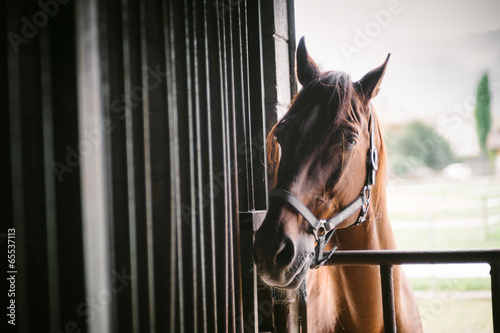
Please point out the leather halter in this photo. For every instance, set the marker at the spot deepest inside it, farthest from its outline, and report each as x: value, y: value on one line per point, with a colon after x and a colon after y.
x: 323, y: 230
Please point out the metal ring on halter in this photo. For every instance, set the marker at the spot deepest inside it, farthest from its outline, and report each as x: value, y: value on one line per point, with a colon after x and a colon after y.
x: 320, y: 231
x: 374, y: 158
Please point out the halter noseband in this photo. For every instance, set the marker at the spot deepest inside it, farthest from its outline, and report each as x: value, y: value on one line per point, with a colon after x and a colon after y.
x: 323, y: 230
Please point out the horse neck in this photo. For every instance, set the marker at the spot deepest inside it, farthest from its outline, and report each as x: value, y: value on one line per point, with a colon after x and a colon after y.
x: 375, y: 233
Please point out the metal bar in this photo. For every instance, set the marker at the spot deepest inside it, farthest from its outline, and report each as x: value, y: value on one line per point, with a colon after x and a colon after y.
x: 209, y: 237
x: 388, y: 298
x: 225, y: 318
x: 199, y: 109
x: 393, y: 257
x: 495, y: 295
x: 234, y: 47
x: 181, y: 52
x: 231, y: 179
x: 217, y: 235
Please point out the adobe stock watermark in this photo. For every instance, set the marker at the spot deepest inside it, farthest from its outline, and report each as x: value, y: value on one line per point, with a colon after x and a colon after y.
x: 89, y: 139
x: 222, y: 6
x: 96, y: 303
x: 218, y: 180
x: 30, y: 28
x: 437, y: 306
x: 372, y: 29
x: 456, y: 115
x: 264, y: 310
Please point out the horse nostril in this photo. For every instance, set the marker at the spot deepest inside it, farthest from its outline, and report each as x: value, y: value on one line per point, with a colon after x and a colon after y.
x: 285, y: 255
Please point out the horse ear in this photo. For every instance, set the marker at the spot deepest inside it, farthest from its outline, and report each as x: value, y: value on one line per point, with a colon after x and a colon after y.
x: 306, y: 67
x: 369, y: 85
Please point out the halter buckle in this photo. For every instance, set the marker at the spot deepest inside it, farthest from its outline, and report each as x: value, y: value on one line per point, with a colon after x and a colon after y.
x: 365, y: 197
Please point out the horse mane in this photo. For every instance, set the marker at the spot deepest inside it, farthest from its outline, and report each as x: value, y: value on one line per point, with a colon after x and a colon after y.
x: 340, y: 106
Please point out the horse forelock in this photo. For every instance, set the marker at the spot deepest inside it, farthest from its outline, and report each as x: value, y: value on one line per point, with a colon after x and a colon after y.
x: 333, y: 94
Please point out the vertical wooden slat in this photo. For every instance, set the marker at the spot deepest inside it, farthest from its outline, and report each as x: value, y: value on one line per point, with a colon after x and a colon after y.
x: 27, y: 170
x: 5, y: 168
x: 165, y: 88
x: 65, y: 166
x: 111, y: 49
x: 93, y: 168
x: 162, y: 184
x: 133, y: 108
x: 242, y: 116
x: 292, y: 39
x: 257, y: 106
x: 252, y: 151
x: 148, y: 167
x: 50, y: 181
x: 16, y: 159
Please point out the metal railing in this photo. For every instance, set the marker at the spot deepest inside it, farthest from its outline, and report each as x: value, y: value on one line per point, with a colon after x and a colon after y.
x: 386, y: 259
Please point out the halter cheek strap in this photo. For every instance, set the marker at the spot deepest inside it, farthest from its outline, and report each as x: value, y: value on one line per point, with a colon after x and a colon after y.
x: 323, y: 230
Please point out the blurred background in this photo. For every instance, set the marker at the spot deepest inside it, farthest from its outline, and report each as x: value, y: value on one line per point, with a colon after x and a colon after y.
x: 440, y: 110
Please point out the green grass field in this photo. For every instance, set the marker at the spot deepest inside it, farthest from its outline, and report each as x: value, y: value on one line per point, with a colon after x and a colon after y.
x: 413, y: 202
x: 444, y: 314
x: 442, y: 284
x: 453, y: 306
x: 460, y: 238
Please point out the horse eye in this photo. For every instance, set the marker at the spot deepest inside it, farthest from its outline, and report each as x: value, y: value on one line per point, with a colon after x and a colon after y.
x: 350, y: 141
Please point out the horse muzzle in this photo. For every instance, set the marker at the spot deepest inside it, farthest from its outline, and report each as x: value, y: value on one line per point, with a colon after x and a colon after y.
x: 279, y: 260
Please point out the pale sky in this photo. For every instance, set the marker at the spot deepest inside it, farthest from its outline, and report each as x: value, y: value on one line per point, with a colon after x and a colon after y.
x: 435, y: 63
x: 328, y: 23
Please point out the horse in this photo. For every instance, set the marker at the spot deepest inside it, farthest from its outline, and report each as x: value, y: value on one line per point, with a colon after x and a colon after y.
x: 323, y: 155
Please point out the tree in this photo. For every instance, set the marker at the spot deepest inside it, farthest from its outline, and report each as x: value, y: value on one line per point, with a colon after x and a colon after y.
x: 419, y: 145
x: 482, y: 111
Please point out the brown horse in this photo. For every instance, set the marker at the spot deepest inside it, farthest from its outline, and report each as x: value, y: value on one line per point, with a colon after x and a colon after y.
x: 318, y: 152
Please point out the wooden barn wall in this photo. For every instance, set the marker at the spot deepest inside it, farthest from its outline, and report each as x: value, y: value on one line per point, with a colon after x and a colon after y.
x: 133, y: 166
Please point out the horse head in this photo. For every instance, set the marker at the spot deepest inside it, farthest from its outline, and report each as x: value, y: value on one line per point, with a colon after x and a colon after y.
x: 318, y: 152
